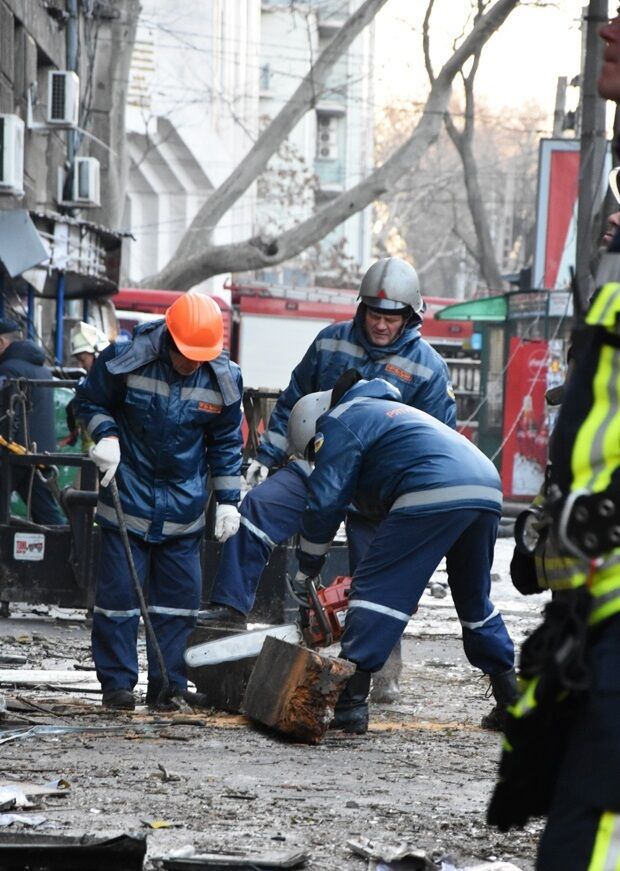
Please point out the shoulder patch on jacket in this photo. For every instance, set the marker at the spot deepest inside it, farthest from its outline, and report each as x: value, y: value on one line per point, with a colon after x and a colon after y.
x: 209, y: 407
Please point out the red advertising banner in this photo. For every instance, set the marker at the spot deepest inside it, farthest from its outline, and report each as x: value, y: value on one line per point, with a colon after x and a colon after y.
x: 526, y: 419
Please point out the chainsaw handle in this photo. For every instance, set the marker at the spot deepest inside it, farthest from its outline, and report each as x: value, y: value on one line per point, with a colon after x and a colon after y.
x: 318, y: 610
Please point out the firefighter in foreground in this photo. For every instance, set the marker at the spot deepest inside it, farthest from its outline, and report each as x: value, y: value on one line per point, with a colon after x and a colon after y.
x: 439, y: 496
x: 164, y: 410
x: 562, y: 754
x: 382, y: 340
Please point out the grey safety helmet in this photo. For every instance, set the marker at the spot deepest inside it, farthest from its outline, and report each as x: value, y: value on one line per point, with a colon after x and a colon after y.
x: 391, y: 285
x: 302, y: 420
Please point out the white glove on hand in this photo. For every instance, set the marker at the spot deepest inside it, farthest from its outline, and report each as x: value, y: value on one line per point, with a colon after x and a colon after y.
x: 106, y: 455
x: 299, y: 586
x: 227, y: 520
x: 256, y: 474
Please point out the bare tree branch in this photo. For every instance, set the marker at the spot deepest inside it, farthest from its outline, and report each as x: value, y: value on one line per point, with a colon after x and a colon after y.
x: 256, y: 253
x: 268, y: 142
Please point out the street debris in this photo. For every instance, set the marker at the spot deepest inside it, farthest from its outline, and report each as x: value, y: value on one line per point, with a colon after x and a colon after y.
x: 392, y: 856
x: 17, y: 795
x: 233, y: 861
x: 58, y: 852
x: 32, y: 820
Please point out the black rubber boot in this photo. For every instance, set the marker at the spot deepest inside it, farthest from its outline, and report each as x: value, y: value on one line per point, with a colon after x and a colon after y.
x: 118, y: 700
x: 351, y: 711
x: 175, y: 700
x: 222, y: 615
x: 505, y: 692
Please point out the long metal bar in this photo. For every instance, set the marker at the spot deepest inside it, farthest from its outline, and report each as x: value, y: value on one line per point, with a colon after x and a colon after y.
x: 60, y: 312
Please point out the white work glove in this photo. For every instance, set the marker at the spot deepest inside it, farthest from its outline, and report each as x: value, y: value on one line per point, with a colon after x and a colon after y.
x: 256, y: 473
x: 227, y: 520
x: 106, y: 455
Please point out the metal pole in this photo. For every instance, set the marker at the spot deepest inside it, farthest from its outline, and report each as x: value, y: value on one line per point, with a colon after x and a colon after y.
x: 593, y: 146
x: 72, y: 63
x: 30, y: 324
x: 60, y: 311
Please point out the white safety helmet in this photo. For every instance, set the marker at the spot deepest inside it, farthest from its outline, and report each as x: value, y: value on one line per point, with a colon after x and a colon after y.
x: 87, y: 339
x: 391, y: 285
x: 302, y: 420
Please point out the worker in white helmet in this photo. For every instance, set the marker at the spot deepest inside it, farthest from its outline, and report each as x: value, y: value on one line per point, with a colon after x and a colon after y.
x: 86, y: 343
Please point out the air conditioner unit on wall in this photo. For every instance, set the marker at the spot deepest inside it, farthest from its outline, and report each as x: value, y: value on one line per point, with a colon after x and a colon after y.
x: 83, y: 189
x: 11, y: 155
x: 63, y: 98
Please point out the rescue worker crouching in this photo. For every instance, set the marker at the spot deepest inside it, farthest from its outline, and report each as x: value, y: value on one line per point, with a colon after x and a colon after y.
x: 164, y: 411
x: 383, y: 340
x: 438, y: 496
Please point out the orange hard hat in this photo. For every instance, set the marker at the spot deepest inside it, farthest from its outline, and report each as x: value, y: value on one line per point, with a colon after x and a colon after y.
x: 195, y: 323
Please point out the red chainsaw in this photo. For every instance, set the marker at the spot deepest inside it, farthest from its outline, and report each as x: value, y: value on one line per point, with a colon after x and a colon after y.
x: 321, y: 623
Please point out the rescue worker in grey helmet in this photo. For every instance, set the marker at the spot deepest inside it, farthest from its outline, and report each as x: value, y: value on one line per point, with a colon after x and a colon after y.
x: 383, y: 340
x: 437, y: 495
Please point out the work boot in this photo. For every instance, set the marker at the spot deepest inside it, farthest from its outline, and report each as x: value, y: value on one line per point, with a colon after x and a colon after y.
x: 505, y: 691
x: 222, y: 615
x: 118, y: 700
x: 351, y: 711
x: 171, y: 703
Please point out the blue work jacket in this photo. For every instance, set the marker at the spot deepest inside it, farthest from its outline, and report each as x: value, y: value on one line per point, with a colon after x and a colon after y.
x: 410, y: 363
x: 173, y: 429
x: 383, y: 456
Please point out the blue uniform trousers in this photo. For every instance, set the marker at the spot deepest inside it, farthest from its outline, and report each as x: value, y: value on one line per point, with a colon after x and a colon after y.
x: 583, y: 827
x: 270, y: 514
x: 174, y: 587
x: 393, y: 573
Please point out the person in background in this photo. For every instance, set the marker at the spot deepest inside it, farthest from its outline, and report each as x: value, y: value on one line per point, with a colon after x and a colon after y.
x: 383, y: 340
x: 86, y: 343
x: 33, y: 426
x: 164, y: 411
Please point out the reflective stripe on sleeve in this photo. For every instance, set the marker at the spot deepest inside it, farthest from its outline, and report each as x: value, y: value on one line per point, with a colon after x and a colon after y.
x: 97, y: 420
x: 275, y: 439
x: 313, y: 548
x: 227, y: 482
x: 380, y: 609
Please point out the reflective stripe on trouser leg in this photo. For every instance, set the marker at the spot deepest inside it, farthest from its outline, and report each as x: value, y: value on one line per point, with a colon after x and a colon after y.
x: 117, y: 612
x: 486, y: 641
x: 270, y: 514
x: 174, y: 592
x: 391, y: 577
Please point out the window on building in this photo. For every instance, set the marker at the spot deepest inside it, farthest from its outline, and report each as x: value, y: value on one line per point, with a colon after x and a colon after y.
x: 265, y: 77
x: 327, y: 137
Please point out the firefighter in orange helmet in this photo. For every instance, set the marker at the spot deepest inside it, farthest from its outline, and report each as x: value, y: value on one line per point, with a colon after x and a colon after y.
x: 165, y: 413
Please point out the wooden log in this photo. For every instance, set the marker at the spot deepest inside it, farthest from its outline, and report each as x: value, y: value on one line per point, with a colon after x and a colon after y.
x: 223, y: 684
x: 293, y: 690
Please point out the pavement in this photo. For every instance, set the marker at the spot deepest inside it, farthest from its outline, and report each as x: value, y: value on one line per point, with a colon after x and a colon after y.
x: 216, y: 783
